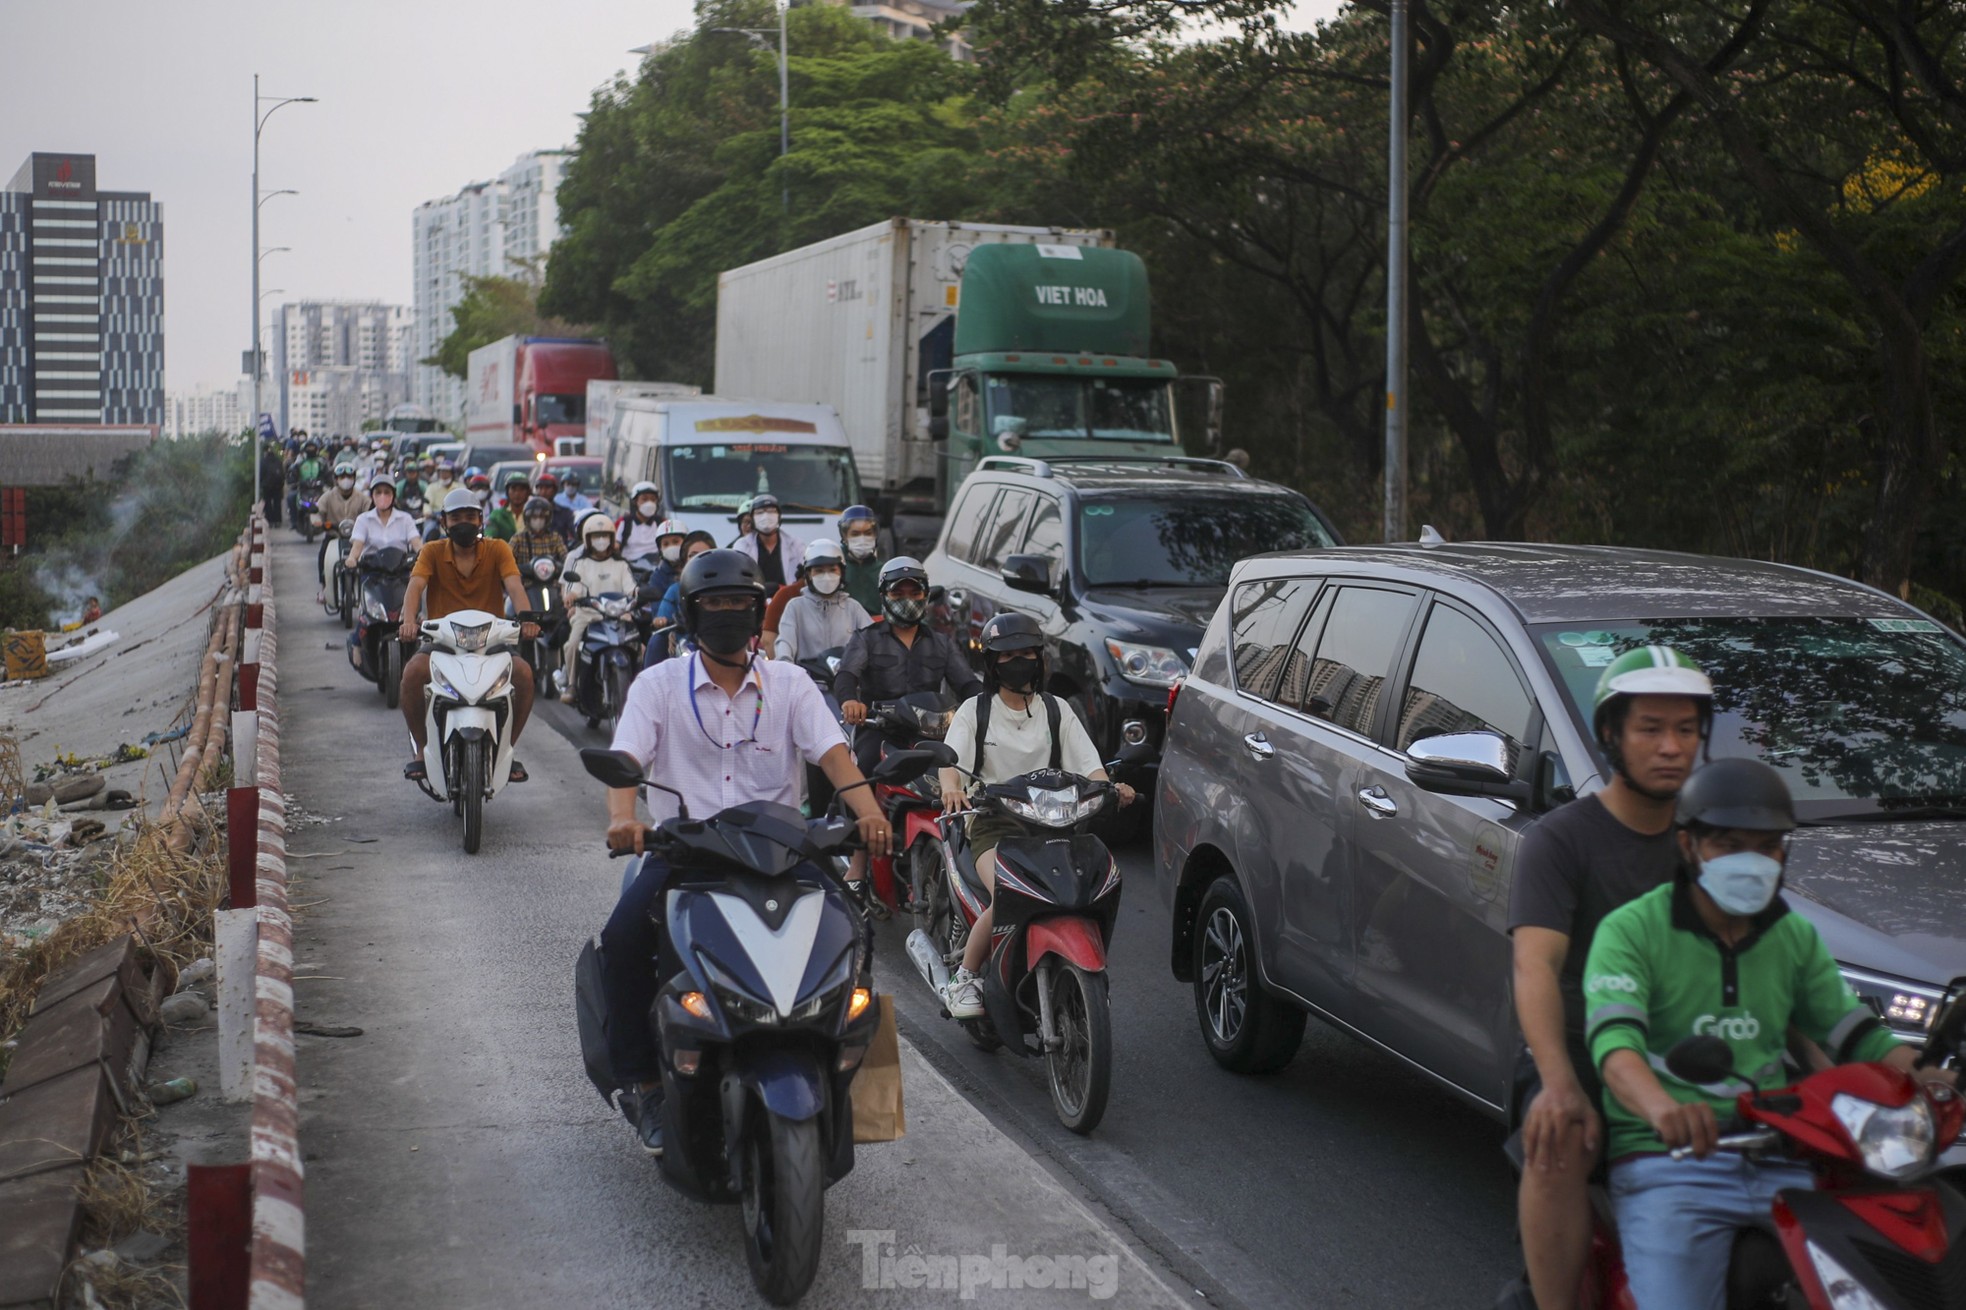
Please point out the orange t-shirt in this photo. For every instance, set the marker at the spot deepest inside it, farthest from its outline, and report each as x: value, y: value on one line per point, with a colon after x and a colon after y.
x: 448, y: 591
x: 775, y: 610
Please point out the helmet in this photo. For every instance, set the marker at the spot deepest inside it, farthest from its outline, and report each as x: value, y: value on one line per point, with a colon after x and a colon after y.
x: 546, y: 480
x: 344, y: 469
x: 636, y: 491
x: 856, y: 514
x: 902, y: 569
x: 477, y: 481
x: 823, y: 551
x: 519, y: 480
x: 903, y: 610
x: 538, y: 505
x: 572, y: 479
x: 1011, y: 632
x: 719, y: 573
x: 461, y: 499
x: 312, y: 448
x: 383, y: 480
x: 744, y: 507
x: 446, y: 465
x: 765, y: 501
x: 671, y: 528
x: 595, y: 524
x: 1649, y: 671
x: 1737, y: 793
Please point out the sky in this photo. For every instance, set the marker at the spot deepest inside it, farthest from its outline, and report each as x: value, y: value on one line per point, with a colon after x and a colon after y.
x: 417, y: 98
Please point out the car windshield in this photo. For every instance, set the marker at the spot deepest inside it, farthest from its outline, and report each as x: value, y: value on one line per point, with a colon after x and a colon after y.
x: 1189, y: 541
x: 559, y: 409
x: 1112, y: 409
x: 814, y: 479
x: 1862, y: 716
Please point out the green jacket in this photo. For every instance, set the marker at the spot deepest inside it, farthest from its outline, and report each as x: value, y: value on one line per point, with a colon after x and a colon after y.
x: 863, y: 583
x: 1656, y: 975
x: 502, y: 524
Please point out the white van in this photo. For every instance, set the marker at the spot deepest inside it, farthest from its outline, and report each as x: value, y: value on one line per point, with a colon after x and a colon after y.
x: 711, y: 453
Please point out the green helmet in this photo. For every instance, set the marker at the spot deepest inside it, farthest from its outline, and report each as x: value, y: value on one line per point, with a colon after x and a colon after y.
x: 1648, y: 671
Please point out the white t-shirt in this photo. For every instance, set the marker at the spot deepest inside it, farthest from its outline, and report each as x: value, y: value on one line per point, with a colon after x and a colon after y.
x: 400, y: 531
x: 1021, y: 743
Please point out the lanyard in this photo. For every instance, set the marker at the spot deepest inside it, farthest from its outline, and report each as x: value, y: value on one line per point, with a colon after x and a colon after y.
x: 757, y: 712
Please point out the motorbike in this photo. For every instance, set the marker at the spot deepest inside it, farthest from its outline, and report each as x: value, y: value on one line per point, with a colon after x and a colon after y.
x: 609, y: 657
x: 337, y: 585
x: 1058, y: 894
x: 307, y: 515
x: 467, y: 718
x: 542, y: 653
x: 1882, y: 1229
x: 375, y: 649
x: 911, y: 807
x: 821, y: 668
x: 764, y: 1017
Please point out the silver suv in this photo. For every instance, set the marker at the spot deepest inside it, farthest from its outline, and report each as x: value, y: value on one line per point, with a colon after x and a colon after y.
x: 1368, y: 731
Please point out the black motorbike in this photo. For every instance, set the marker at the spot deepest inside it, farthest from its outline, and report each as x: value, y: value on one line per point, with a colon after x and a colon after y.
x: 307, y: 510
x: 375, y: 648
x: 609, y: 657
x: 821, y: 668
x: 338, y: 587
x: 759, y: 1050
x: 542, y: 653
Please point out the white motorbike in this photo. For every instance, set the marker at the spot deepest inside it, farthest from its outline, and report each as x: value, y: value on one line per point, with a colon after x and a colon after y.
x: 467, y: 716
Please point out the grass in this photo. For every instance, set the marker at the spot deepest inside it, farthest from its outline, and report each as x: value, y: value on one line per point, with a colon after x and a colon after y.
x: 117, y: 1201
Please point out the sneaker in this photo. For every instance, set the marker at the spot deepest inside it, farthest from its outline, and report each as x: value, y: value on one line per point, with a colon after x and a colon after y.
x: 644, y: 1111
x: 965, y: 995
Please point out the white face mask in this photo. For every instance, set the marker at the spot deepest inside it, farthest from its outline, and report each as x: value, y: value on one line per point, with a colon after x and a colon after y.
x: 766, y: 522
x: 598, y: 546
x: 346, y: 484
x: 860, y: 547
x: 647, y: 508
x: 537, y: 524
x: 672, y: 553
x: 826, y: 582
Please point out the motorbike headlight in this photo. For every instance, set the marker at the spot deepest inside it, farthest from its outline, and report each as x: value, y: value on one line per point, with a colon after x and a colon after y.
x: 499, y: 687
x: 374, y: 609
x: 442, y: 686
x: 470, y: 637
x: 542, y: 568
x: 1147, y: 666
x: 736, y: 1002
x: 1054, y: 808
x: 614, y: 609
x: 1895, y: 1141
x: 1844, y: 1291
x: 1907, y: 1008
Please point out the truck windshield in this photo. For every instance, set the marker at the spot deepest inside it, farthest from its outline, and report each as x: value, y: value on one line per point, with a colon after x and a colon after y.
x: 1111, y: 409
x: 814, y: 479
x: 559, y: 409
x: 1192, y: 541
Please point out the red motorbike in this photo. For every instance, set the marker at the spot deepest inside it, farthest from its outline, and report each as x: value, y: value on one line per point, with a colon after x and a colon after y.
x: 1879, y: 1231
x: 911, y: 809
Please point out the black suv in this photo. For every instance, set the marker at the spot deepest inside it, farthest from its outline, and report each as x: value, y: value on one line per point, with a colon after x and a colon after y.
x: 1123, y: 563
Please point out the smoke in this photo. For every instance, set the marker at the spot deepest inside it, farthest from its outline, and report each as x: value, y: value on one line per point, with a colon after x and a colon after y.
x: 70, y: 584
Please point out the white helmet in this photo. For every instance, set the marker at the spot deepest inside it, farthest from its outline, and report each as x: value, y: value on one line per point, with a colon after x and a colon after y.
x: 596, y: 524
x: 824, y: 551
x: 462, y: 498
x: 671, y: 528
x: 640, y: 487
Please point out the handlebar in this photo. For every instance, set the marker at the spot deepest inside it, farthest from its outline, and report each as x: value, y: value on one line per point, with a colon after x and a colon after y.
x: 1757, y: 1139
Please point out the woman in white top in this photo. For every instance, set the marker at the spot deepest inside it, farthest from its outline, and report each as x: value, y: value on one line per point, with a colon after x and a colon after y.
x: 1018, y: 742
x: 381, y: 526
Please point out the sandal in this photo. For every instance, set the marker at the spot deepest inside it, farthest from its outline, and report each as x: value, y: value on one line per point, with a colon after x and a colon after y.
x: 415, y: 771
x: 518, y: 773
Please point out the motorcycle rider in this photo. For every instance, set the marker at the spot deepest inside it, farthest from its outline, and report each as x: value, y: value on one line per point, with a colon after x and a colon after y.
x: 860, y: 536
x: 442, y: 485
x: 1651, y: 712
x: 462, y: 572
x: 564, y: 521
x: 669, y: 612
x: 272, y: 483
x: 1014, y: 742
x: 307, y: 469
x: 722, y: 727
x: 341, y: 501
x: 642, y: 529
x: 1715, y: 951
x: 503, y: 523
x: 778, y: 554
x: 823, y: 616
x: 479, y: 485
x: 537, y: 540
x: 600, y: 570
x: 743, y: 522
x: 570, y: 496
x: 382, y: 525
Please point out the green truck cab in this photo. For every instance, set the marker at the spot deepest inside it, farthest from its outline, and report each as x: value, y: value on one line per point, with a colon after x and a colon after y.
x: 1050, y: 361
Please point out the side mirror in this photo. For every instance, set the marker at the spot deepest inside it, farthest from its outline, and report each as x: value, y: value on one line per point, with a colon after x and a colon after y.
x: 938, y: 394
x: 1947, y: 1032
x: 1466, y: 764
x: 571, y: 577
x: 1702, y: 1059
x: 938, y: 594
x: 938, y: 427
x: 615, y: 768
x: 908, y: 765
x: 1030, y: 573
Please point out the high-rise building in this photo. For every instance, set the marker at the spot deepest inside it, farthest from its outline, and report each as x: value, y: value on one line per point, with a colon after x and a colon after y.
x: 915, y: 20
x: 488, y: 229
x: 207, y: 409
x: 339, y: 363
x: 81, y: 298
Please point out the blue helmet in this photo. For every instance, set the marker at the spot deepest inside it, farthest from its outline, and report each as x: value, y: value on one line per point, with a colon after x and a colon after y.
x: 856, y: 514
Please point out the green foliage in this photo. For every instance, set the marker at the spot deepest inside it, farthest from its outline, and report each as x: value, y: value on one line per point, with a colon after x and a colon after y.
x: 495, y: 307
x: 23, y: 604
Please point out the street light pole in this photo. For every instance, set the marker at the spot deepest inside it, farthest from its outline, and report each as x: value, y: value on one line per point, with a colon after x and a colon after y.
x: 757, y: 38
x: 259, y: 122
x: 1396, y: 285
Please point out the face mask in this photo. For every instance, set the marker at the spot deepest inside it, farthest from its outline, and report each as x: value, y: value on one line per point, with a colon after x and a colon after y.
x: 726, y: 632
x: 598, y: 546
x: 907, y: 612
x: 1742, y: 883
x: 825, y: 583
x: 536, y: 523
x: 1020, y: 674
x: 860, y: 547
x: 672, y: 553
x: 484, y: 498
x: 463, y: 535
x: 766, y: 522
x: 346, y: 484
x: 647, y: 508
x: 384, y: 500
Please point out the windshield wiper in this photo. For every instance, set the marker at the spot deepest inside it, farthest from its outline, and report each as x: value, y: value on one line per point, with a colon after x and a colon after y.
x: 808, y: 509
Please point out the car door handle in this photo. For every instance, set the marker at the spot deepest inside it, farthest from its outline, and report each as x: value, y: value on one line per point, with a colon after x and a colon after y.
x: 1377, y: 803
x: 1258, y: 746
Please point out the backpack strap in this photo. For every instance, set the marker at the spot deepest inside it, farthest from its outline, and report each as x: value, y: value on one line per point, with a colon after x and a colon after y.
x: 982, y: 731
x: 1057, y: 746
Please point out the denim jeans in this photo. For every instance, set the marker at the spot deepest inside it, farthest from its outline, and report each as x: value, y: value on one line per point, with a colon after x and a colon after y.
x: 628, y: 945
x: 1677, y: 1220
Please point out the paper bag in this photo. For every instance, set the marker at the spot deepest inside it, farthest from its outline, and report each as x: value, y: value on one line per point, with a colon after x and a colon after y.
x: 876, y: 1088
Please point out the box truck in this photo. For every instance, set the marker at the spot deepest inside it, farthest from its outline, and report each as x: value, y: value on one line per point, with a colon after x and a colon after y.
x: 528, y: 391
x: 940, y: 343
x: 603, y: 395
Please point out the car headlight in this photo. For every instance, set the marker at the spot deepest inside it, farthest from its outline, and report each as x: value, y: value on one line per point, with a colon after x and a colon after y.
x: 1907, y: 1008
x: 1895, y: 1140
x: 1059, y: 808
x: 1148, y: 666
x: 470, y: 637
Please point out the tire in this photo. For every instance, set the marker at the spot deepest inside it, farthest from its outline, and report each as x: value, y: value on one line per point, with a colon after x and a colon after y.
x: 983, y: 1035
x: 784, y: 1204
x: 1080, y: 1071
x: 471, y: 793
x: 392, y: 672
x: 1245, y: 1028
x: 618, y: 680
x: 346, y: 592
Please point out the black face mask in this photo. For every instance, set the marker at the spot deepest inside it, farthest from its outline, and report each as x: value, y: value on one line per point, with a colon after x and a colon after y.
x: 906, y: 612
x: 463, y: 535
x: 726, y: 632
x: 1020, y: 674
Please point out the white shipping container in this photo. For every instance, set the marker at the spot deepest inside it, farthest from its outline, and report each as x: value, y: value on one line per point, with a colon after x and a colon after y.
x: 858, y: 322
x: 603, y: 395
x: 491, y: 381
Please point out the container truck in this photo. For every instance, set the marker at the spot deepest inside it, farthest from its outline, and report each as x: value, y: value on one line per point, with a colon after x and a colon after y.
x: 940, y: 343
x: 604, y: 395
x: 531, y: 390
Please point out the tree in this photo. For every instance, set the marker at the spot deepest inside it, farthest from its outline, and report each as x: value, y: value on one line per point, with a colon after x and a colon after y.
x: 495, y: 307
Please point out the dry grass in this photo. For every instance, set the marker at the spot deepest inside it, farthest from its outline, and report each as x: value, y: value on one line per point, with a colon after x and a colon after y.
x: 117, y: 1202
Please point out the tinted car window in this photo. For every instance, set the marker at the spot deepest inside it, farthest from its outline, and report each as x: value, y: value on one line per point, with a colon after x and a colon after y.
x: 1355, y: 655
x: 1001, y: 538
x: 1463, y: 681
x: 1189, y: 539
x: 963, y: 523
x: 1046, y: 535
x: 1262, y: 623
x: 1295, y: 689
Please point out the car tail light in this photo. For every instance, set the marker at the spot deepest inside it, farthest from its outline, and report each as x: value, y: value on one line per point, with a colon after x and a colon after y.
x: 1172, y: 692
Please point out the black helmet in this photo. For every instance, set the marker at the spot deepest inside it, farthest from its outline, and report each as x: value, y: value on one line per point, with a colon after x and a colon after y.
x: 1737, y: 793
x: 719, y: 573
x: 1008, y: 632
x: 537, y: 505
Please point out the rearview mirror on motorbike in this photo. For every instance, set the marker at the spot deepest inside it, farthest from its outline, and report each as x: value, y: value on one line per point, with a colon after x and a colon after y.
x: 1133, y: 755
x: 571, y: 577
x: 1701, y: 1059
x: 620, y: 769
x: 1948, y: 1032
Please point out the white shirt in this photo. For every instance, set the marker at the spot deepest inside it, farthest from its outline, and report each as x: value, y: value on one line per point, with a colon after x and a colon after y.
x: 1021, y: 743
x: 400, y: 531
x: 791, y: 551
x: 724, y: 760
